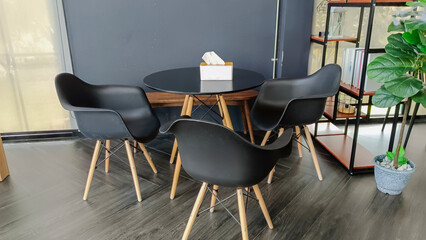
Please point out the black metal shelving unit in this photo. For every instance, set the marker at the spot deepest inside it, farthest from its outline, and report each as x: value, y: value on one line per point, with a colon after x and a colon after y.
x: 337, y: 143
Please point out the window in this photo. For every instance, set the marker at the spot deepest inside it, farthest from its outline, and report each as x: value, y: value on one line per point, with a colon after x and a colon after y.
x: 32, y: 51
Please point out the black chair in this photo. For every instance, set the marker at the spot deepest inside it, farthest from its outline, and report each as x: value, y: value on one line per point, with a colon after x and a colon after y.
x: 216, y: 155
x: 294, y: 102
x: 109, y: 112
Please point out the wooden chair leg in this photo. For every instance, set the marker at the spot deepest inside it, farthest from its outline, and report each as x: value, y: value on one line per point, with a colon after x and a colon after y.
x: 249, y: 125
x: 263, y: 206
x: 133, y: 169
x: 265, y: 138
x: 213, y: 200
x: 313, y: 153
x: 92, y: 168
x: 271, y: 174
x: 194, y: 212
x: 243, y: 118
x: 148, y: 158
x: 242, y: 211
x: 182, y: 112
x: 107, y: 154
x: 299, y: 141
x: 135, y: 147
x: 176, y: 177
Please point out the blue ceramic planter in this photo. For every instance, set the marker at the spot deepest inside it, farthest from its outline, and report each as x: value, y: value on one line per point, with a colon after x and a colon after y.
x: 391, y: 181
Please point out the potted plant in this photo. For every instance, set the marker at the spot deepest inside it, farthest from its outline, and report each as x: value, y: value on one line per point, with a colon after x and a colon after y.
x: 402, y: 71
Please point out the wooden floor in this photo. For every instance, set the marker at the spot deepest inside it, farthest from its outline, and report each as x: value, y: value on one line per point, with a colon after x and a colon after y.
x: 42, y: 198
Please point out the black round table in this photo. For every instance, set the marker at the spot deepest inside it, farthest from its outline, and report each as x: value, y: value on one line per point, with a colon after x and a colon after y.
x: 187, y: 81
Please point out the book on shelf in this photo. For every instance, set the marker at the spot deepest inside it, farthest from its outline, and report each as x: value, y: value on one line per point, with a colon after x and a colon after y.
x: 352, y: 61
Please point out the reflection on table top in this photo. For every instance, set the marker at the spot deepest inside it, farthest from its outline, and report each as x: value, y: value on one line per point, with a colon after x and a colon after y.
x: 187, y: 81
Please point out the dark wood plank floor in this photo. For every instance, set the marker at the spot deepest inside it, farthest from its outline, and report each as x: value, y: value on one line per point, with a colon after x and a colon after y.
x: 42, y: 198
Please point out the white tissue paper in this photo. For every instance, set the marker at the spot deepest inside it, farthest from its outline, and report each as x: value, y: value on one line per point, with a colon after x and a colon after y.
x: 211, y: 58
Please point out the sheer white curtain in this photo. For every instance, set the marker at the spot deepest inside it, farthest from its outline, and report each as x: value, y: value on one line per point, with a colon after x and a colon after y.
x: 33, y: 49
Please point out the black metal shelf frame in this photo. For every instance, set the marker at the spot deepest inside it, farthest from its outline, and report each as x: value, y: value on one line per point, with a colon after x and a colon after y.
x: 372, y: 7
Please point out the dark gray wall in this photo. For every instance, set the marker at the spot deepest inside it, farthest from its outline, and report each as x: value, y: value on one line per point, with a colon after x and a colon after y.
x: 294, y: 37
x: 114, y: 41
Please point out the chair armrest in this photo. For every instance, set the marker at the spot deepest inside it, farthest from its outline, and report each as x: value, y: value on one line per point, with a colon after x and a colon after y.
x: 281, y: 142
x: 97, y: 123
x: 169, y: 124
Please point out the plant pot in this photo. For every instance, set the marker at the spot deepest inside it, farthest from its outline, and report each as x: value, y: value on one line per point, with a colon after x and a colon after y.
x: 391, y: 181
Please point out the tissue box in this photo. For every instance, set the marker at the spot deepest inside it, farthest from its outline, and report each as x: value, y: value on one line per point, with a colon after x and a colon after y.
x: 216, y: 72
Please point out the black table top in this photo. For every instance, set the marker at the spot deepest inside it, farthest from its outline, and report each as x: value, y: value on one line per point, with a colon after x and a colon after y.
x: 187, y: 81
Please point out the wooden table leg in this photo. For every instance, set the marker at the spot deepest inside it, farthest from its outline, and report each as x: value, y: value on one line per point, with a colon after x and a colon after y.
x: 226, y: 113
x: 182, y: 112
x: 4, y: 169
x: 227, y: 122
x: 249, y: 125
x: 243, y: 118
x: 178, y: 162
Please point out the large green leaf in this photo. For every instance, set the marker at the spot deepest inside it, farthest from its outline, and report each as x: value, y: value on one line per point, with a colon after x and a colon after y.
x: 416, y: 4
x: 404, y: 86
x: 398, y: 47
x: 396, y: 28
x: 384, y: 98
x: 387, y: 67
x: 413, y: 24
x: 420, y: 97
x: 412, y: 37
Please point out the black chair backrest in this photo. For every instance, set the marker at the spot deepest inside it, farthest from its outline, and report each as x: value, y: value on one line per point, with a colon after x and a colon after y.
x: 295, y: 101
x: 215, y: 154
x: 107, y: 111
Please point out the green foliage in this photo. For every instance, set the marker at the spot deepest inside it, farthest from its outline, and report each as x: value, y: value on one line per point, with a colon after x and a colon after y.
x: 383, y: 98
x: 387, y: 67
x: 401, y: 159
x: 420, y: 97
x: 405, y: 52
x: 404, y: 86
x: 398, y: 47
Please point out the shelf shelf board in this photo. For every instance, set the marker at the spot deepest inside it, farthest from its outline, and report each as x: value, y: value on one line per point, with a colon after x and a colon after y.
x: 326, y: 129
x: 340, y: 146
x: 329, y: 108
x: 351, y: 90
x: 344, y: 39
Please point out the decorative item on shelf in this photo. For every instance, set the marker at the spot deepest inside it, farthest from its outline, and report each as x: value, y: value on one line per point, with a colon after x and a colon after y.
x: 346, y: 104
x: 402, y: 71
x: 322, y: 6
x: 214, y: 68
x: 337, y: 18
